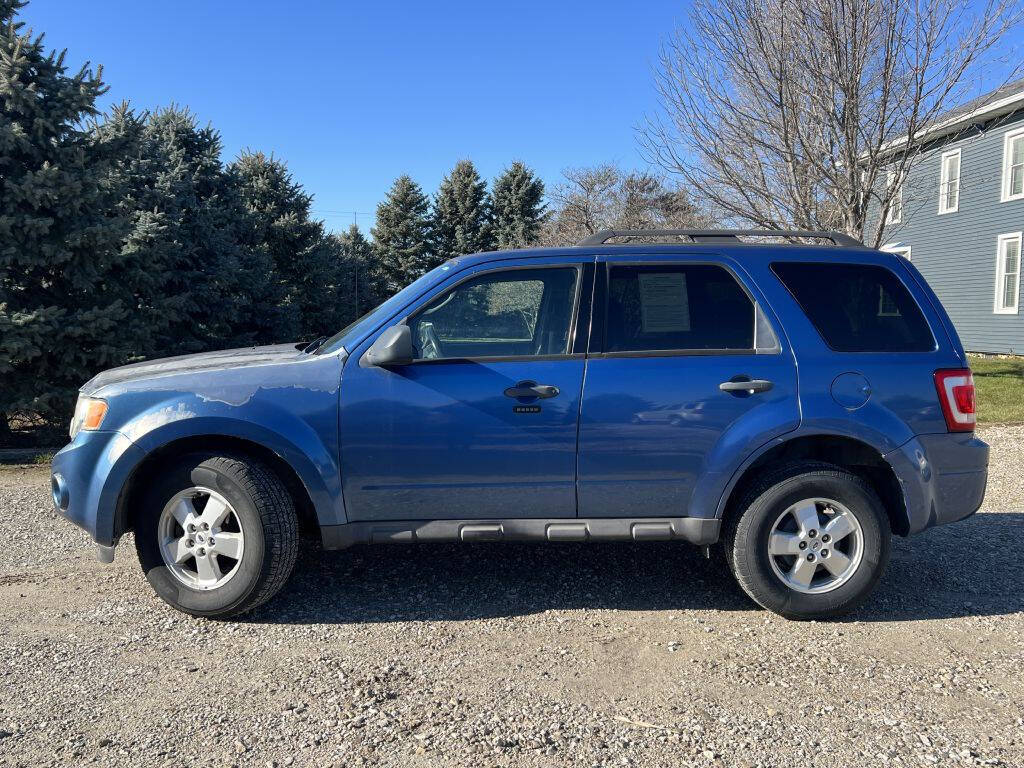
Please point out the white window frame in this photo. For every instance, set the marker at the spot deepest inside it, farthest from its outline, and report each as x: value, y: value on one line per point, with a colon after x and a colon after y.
x: 997, y: 306
x: 895, y: 213
x: 944, y: 181
x: 899, y: 250
x: 1008, y: 138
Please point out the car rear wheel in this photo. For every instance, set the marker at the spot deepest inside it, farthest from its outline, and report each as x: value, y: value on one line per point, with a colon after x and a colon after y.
x: 216, y: 536
x: 809, y: 541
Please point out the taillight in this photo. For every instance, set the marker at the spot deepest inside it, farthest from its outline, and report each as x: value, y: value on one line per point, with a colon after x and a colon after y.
x: 956, y: 394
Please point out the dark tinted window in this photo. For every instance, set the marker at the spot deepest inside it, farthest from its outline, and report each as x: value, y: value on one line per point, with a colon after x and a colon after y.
x: 858, y: 307
x: 677, y: 307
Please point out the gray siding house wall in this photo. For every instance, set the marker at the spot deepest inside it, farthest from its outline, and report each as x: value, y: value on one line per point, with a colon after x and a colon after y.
x: 957, y: 252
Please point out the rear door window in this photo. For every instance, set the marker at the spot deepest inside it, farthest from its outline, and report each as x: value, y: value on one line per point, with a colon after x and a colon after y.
x: 857, y: 307
x: 677, y: 307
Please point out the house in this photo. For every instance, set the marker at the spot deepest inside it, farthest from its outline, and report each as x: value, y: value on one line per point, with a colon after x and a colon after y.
x: 960, y: 215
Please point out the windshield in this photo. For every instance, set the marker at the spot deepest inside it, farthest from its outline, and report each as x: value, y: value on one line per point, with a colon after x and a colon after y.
x: 382, y: 312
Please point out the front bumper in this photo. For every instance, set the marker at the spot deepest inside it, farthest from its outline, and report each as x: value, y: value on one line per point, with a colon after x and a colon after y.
x: 943, y: 477
x: 87, y: 476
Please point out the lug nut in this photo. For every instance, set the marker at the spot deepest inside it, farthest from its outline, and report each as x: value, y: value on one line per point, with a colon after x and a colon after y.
x: 824, y: 553
x: 810, y: 558
x: 803, y: 545
x: 212, y: 542
x: 191, y: 528
x: 202, y: 551
x: 206, y: 526
x: 825, y: 539
x: 191, y: 542
x: 812, y: 533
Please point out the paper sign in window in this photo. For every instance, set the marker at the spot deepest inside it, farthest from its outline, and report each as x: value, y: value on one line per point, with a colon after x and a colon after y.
x: 664, y: 307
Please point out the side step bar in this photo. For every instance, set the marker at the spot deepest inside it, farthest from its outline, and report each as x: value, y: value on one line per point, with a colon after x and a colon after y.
x: 693, y: 530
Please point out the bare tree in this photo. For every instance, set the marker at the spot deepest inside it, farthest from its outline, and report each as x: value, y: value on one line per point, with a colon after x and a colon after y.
x: 606, y: 197
x: 784, y: 113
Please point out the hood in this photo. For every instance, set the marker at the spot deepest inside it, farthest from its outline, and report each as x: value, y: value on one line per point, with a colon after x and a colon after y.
x: 185, y: 364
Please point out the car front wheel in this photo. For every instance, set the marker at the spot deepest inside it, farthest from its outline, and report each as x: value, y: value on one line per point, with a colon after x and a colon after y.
x: 216, y: 535
x: 809, y: 541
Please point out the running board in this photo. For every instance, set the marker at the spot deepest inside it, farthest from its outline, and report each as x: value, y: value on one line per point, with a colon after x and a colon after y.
x: 693, y: 530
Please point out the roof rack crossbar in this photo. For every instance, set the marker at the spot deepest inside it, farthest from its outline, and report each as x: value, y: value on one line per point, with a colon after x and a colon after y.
x: 718, y: 235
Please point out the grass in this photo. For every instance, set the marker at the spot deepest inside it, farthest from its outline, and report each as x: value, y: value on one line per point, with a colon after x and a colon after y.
x: 999, y: 389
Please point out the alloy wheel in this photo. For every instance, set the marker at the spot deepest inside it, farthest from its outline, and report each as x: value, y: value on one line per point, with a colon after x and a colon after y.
x: 201, y: 538
x: 815, y: 545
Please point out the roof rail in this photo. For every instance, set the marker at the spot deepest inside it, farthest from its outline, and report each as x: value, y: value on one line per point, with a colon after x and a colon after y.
x: 719, y: 235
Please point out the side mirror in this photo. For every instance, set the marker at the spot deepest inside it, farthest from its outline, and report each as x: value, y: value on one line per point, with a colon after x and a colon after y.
x: 393, y: 347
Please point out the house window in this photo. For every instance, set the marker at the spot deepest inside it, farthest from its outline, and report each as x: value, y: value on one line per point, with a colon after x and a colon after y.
x: 949, y: 184
x: 895, y: 213
x: 1008, y: 274
x: 899, y: 250
x: 1013, y: 165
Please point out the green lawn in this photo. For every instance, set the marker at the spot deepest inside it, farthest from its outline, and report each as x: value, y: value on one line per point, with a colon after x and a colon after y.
x: 1000, y: 389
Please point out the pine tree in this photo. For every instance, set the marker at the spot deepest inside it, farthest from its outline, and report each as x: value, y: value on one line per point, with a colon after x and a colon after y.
x: 517, y: 205
x: 460, y: 219
x: 64, y: 290
x: 219, y: 281
x: 305, y: 262
x: 133, y: 168
x: 400, y: 241
x: 359, y: 290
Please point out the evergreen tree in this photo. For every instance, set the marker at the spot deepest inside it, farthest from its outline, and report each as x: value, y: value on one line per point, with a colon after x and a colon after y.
x: 133, y: 168
x: 220, y: 282
x: 63, y: 279
x: 400, y: 236
x: 359, y: 290
x: 305, y: 262
x: 460, y: 219
x: 517, y: 205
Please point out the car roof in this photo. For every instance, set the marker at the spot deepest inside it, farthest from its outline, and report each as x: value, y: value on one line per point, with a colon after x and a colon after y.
x: 787, y: 251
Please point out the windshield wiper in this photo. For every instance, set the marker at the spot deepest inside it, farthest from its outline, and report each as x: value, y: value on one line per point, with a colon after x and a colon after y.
x: 313, y: 346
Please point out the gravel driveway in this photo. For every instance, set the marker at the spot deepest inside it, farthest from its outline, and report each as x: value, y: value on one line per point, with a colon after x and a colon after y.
x: 643, y: 655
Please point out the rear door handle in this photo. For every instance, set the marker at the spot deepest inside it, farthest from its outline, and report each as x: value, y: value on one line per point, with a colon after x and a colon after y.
x: 531, y: 389
x: 738, y: 384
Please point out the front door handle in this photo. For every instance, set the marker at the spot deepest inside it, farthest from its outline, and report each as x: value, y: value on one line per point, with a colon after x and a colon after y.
x: 750, y: 386
x: 531, y: 389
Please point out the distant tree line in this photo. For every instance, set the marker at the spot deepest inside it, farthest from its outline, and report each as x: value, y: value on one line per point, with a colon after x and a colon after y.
x: 124, y: 236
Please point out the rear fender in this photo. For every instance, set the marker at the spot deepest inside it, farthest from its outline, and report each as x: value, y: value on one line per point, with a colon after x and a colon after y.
x: 858, y: 433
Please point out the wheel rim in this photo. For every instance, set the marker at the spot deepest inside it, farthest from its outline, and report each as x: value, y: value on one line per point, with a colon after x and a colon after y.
x: 815, y: 545
x: 201, y: 538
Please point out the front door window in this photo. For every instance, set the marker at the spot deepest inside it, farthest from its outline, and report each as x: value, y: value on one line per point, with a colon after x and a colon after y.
x: 512, y: 313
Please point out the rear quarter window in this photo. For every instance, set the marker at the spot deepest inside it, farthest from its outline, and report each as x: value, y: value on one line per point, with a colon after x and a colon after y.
x: 857, y: 307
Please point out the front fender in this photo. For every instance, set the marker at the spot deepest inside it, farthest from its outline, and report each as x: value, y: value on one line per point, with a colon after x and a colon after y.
x: 289, y: 408
x: 292, y: 439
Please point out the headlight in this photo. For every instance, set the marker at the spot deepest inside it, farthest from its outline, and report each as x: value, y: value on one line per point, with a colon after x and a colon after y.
x: 89, y: 413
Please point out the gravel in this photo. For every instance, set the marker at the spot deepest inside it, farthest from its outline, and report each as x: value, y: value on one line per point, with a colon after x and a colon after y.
x: 489, y: 655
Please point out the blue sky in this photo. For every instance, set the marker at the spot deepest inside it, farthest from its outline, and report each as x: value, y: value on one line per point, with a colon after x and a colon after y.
x: 353, y: 94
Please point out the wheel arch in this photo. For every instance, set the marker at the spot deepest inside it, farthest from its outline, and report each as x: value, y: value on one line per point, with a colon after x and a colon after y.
x: 212, y: 444
x: 847, y: 452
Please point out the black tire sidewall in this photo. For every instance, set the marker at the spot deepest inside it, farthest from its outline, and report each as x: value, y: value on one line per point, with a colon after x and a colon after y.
x: 199, y: 471
x: 756, y: 527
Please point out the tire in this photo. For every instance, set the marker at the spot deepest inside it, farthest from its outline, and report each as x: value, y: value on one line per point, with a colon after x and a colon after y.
x: 260, y: 527
x: 772, y: 505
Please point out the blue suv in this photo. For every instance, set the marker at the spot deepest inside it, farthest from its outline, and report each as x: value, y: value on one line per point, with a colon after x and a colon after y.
x: 793, y: 397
